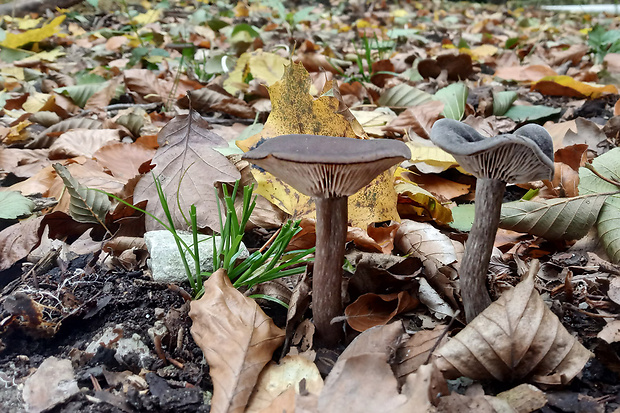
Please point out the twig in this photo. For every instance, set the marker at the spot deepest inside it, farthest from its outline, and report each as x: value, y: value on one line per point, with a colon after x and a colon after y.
x: 443, y: 334
x: 269, y: 241
x: 604, y: 178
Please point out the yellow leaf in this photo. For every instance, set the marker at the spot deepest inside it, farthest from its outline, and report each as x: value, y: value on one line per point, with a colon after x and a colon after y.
x: 431, y: 155
x: 261, y: 65
x: 18, y: 132
x: 241, y: 10
x: 37, y: 101
x: 27, y: 23
x: 427, y: 205
x: 14, y: 40
x: 567, y: 86
x: 480, y: 52
x: 12, y: 71
x: 294, y: 110
x: 48, y: 56
x: 150, y: 16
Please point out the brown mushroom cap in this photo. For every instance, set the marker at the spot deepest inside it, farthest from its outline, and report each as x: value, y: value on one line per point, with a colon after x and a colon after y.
x: 327, y: 166
x: 523, y: 156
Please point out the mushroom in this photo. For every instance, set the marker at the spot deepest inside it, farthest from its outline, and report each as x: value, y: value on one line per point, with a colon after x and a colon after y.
x: 328, y: 169
x: 523, y: 156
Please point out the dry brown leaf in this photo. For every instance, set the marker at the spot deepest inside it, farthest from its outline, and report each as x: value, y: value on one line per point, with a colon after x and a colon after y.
x: 123, y: 160
x: 276, y: 379
x: 99, y: 100
x: 146, y: 84
x: 187, y: 163
x: 416, y: 120
x: 214, y: 98
x: 362, y: 380
x: 416, y: 351
x: 426, y: 242
x: 516, y: 337
x: 530, y: 73
x: 17, y: 240
x: 24, y: 163
x: 82, y: 142
x: 237, y: 339
x: 372, y: 310
x: 49, y: 135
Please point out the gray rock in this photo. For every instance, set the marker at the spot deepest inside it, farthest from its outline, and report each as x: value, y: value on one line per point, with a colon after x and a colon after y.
x: 165, y: 262
x: 53, y: 383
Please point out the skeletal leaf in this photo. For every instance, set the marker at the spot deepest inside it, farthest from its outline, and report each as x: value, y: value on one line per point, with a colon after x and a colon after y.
x: 558, y: 218
x: 237, y: 339
x: 516, y: 337
x: 86, y: 205
x: 424, y: 241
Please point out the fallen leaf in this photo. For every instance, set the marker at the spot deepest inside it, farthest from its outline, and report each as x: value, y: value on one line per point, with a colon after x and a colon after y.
x: 236, y: 338
x: 290, y: 99
x: 187, y: 163
x: 15, y: 40
x: 416, y: 120
x: 531, y: 73
x: 567, y: 86
x: 557, y: 218
x: 371, y: 310
x: 515, y: 338
x: 275, y: 379
x: 82, y: 142
x: 123, y: 160
x: 17, y: 240
x: 416, y: 351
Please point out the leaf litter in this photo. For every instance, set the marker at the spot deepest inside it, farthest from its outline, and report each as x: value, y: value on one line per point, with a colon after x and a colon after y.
x: 88, y: 107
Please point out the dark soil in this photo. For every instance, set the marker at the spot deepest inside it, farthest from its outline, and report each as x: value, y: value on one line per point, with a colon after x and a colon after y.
x: 94, y: 301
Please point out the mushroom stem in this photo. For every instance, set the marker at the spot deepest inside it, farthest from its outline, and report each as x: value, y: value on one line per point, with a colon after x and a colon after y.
x: 331, y: 237
x: 475, y: 264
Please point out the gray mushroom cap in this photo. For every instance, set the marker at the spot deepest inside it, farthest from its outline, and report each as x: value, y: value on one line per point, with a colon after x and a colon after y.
x: 327, y: 166
x: 523, y: 156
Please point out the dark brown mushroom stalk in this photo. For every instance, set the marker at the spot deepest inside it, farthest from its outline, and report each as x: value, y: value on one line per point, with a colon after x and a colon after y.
x: 523, y: 156
x: 328, y: 169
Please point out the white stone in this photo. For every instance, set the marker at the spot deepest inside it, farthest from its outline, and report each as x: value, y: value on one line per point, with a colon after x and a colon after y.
x: 165, y: 261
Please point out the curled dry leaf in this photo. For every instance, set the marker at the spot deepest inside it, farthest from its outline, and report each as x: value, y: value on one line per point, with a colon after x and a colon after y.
x: 275, y: 379
x: 416, y: 120
x: 371, y: 309
x: 516, y: 337
x: 214, y: 98
x: 237, y: 339
x: 426, y: 242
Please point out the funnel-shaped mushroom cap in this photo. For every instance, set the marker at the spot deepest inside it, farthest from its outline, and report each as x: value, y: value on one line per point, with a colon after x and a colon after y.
x: 523, y: 156
x: 327, y: 166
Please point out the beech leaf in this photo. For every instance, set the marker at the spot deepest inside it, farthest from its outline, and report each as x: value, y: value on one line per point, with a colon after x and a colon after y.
x: 515, y: 338
x: 403, y: 95
x: 454, y: 98
x: 608, y: 223
x: 86, y: 206
x: 557, y: 218
x: 187, y: 163
x: 502, y: 101
x: 237, y: 339
x: 14, y: 205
